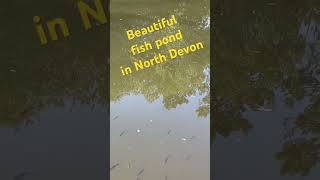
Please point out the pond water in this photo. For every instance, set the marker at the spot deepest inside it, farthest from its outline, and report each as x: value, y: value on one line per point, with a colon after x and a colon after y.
x: 54, y: 115
x: 266, y: 94
x: 160, y: 126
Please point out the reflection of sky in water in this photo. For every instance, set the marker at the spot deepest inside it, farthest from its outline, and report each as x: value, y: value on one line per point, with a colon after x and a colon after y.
x: 165, y: 126
x: 138, y: 143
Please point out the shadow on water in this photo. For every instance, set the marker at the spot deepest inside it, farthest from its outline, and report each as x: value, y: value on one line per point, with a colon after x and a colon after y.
x: 266, y: 95
x: 53, y: 98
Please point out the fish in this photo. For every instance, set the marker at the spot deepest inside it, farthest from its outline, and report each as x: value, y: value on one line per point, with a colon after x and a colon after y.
x: 167, y: 158
x: 122, y: 133
x: 166, y: 178
x: 116, y: 117
x: 184, y: 139
x: 140, y: 172
x: 169, y: 131
x: 21, y: 175
x: 114, y: 166
x: 187, y: 139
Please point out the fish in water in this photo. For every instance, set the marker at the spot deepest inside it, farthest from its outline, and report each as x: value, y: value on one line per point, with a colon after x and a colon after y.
x: 167, y: 158
x: 166, y: 178
x: 114, y: 166
x: 122, y: 133
x: 140, y: 172
x: 188, y: 139
x: 21, y: 176
x: 169, y: 132
x: 116, y: 117
x: 130, y: 164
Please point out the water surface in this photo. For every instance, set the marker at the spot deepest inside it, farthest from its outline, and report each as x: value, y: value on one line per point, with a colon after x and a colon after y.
x: 53, y: 99
x: 266, y: 93
x: 160, y: 125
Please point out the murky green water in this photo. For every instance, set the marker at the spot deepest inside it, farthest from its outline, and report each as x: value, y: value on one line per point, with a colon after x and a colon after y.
x: 160, y: 125
x: 266, y: 94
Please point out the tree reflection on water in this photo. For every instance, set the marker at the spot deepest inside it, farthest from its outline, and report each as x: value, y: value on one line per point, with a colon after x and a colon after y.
x: 35, y: 78
x: 261, y: 49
